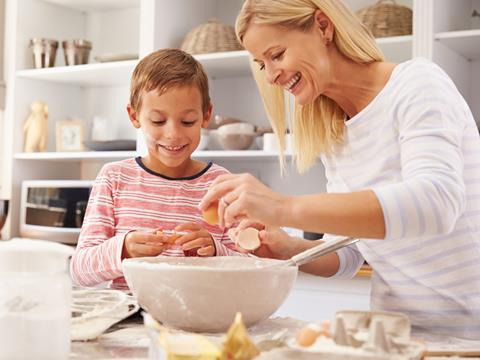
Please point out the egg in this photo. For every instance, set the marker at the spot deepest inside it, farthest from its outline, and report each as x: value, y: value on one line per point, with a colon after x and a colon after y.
x: 307, y: 336
x: 310, y: 333
x: 210, y: 215
x: 248, y: 239
x: 170, y: 239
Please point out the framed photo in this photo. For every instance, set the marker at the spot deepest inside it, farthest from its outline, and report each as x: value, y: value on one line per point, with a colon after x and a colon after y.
x: 69, y: 135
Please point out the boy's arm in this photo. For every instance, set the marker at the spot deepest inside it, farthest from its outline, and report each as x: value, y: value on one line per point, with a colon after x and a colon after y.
x: 98, y: 256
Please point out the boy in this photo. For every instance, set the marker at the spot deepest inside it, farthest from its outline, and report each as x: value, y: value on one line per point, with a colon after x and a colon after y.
x: 135, y: 202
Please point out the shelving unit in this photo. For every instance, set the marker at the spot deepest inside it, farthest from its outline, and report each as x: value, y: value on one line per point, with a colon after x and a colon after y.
x: 453, y: 41
x: 95, y: 5
x: 225, y: 64
x: 119, y: 155
x: 75, y: 156
x: 396, y: 48
x: 461, y: 42
x: 100, y: 74
x: 218, y: 65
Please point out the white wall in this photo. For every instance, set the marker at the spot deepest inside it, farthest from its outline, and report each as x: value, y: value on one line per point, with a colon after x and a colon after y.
x: 2, y: 97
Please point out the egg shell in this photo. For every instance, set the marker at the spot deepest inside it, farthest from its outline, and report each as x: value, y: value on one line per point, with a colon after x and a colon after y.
x: 210, y: 215
x: 170, y: 239
x: 248, y: 239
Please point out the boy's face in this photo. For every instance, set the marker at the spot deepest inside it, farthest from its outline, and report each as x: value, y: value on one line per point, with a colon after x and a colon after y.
x: 171, y: 124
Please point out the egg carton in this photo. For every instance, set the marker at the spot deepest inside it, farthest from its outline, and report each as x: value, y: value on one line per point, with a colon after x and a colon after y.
x: 358, y: 335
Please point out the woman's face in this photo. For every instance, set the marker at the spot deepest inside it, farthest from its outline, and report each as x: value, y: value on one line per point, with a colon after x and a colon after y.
x: 295, y: 60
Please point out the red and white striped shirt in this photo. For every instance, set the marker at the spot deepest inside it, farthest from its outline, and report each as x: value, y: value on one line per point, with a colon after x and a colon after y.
x: 128, y: 196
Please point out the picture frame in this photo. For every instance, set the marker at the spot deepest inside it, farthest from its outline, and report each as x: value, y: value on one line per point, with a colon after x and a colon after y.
x: 69, y: 135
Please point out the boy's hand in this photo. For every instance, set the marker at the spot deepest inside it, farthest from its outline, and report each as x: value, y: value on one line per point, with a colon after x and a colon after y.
x: 140, y: 244
x: 197, y: 239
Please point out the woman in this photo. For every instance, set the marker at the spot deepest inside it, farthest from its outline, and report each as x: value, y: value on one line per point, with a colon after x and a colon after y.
x: 400, y: 148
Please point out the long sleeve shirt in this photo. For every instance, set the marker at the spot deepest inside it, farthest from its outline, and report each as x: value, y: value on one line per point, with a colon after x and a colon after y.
x: 416, y: 145
x: 127, y: 196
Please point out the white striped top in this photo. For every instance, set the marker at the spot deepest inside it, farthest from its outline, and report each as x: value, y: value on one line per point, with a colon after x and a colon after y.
x: 417, y: 147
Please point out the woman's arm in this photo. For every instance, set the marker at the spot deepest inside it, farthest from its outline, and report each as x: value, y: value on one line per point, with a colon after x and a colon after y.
x: 356, y: 214
x: 325, y: 266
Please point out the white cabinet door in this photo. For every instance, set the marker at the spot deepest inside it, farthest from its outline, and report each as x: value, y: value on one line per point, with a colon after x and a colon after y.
x: 315, y: 299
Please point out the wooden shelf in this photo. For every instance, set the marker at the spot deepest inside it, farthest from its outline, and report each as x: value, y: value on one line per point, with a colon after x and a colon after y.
x: 96, y: 5
x: 465, y: 42
x: 118, y: 155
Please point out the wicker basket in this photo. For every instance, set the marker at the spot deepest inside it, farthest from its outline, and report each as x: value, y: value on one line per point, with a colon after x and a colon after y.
x: 212, y: 36
x: 387, y: 18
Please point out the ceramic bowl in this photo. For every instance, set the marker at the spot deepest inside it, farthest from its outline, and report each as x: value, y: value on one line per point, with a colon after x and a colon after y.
x: 204, y: 294
x: 203, y: 144
x: 237, y: 136
x: 236, y: 141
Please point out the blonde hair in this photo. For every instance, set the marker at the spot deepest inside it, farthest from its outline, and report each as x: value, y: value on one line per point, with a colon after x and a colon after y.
x: 163, y: 69
x: 316, y: 127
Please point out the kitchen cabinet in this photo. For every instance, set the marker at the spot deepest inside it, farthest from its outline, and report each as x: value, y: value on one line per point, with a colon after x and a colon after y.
x: 317, y: 299
x: 454, y: 43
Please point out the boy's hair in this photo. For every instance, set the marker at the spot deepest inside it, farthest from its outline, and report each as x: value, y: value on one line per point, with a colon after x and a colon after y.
x: 164, y: 69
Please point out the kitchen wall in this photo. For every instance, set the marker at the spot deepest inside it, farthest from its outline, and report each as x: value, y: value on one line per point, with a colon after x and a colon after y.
x: 2, y: 96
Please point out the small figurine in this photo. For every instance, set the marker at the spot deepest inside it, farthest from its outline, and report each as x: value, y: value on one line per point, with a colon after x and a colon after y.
x: 36, y: 127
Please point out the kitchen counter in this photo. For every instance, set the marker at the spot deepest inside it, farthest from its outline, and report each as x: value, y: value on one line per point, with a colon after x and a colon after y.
x: 129, y: 340
x: 125, y: 340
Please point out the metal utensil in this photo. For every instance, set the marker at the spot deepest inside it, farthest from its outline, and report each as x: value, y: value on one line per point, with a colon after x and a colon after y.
x: 317, y: 251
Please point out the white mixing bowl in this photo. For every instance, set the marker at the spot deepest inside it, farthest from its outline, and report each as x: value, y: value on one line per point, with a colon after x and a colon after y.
x: 203, y: 294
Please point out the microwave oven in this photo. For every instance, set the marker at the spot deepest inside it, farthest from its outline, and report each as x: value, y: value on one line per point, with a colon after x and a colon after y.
x: 53, y: 209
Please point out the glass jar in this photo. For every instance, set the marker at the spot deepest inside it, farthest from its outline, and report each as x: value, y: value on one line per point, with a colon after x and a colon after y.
x: 35, y: 300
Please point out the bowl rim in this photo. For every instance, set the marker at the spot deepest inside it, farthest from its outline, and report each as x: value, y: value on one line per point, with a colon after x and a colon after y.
x: 141, y: 262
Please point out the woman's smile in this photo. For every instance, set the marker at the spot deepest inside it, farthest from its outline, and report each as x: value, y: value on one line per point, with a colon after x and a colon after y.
x: 292, y: 84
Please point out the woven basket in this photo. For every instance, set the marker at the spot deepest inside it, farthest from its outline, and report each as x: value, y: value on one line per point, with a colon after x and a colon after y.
x: 387, y: 18
x: 212, y: 36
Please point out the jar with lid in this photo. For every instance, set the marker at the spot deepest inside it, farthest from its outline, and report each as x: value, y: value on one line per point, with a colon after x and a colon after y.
x: 35, y: 300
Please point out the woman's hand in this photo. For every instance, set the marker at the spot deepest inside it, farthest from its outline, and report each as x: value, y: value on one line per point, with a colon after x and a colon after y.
x: 245, y: 197
x: 142, y: 243
x: 275, y: 243
x: 197, y: 239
